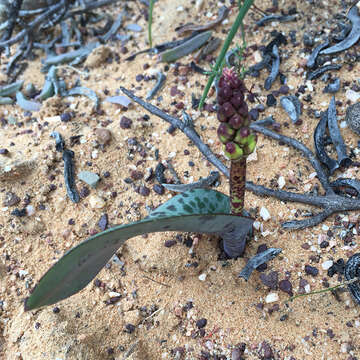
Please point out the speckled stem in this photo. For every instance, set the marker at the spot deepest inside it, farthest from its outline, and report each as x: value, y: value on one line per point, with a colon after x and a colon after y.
x: 237, y: 185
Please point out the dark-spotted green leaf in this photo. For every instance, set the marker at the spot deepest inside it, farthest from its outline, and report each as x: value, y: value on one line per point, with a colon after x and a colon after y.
x: 195, y: 211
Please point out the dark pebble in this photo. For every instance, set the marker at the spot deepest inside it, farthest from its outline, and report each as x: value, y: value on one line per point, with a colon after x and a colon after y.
x: 103, y: 222
x: 324, y: 244
x: 308, y: 40
x: 191, y: 163
x: 171, y: 129
x: 169, y: 243
x: 84, y: 192
x: 4, y: 151
x: 311, y: 270
x: 270, y: 280
x: 286, y: 286
x: 330, y: 333
x: 144, y: 191
x: 106, y: 174
x: 186, y: 152
x: 270, y: 100
x: 284, y: 317
x: 136, y: 175
x: 139, y: 77
x: 19, y: 213
x: 65, y: 117
x: 128, y: 180
x: 56, y: 310
x: 71, y: 222
x: 254, y: 114
x: 201, y: 323
x: 129, y: 328
x: 125, y: 123
x: 284, y: 89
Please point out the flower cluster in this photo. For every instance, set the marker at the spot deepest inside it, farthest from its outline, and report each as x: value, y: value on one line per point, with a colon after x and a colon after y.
x: 234, y: 131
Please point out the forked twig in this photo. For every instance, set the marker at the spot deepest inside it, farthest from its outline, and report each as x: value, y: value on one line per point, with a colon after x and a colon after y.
x: 330, y: 202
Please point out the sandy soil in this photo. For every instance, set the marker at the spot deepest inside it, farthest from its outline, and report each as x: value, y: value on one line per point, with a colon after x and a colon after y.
x: 161, y: 293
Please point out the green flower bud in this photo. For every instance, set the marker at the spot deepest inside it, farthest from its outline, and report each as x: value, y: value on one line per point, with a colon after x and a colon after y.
x: 241, y: 135
x: 233, y: 151
x: 251, y: 144
x: 225, y: 133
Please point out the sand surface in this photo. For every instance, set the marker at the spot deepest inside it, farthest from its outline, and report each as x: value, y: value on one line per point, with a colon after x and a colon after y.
x: 160, y: 289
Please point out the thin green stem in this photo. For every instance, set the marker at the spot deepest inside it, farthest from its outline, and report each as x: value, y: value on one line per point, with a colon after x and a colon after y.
x: 151, y: 6
x: 238, y: 21
x: 324, y: 290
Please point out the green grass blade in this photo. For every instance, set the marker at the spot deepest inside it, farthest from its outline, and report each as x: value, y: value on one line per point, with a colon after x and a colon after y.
x: 151, y: 7
x: 238, y: 21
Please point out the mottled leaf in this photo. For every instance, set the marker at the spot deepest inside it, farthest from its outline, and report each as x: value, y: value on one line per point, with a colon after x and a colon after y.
x: 198, y: 212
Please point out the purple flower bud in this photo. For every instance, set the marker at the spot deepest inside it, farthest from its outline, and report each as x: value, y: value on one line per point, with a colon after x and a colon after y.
x: 220, y: 100
x: 235, y: 82
x: 244, y: 132
x: 243, y: 110
x: 228, y: 109
x: 236, y: 121
x: 225, y: 133
x: 237, y: 100
x: 242, y: 135
x: 225, y: 92
x: 221, y: 115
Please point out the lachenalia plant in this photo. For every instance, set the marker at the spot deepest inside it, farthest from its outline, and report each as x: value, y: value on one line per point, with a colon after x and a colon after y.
x: 235, y: 134
x: 197, y: 210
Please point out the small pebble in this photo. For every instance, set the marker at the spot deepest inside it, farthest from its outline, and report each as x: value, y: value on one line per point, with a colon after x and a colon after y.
x: 281, y: 182
x: 65, y: 117
x: 284, y: 89
x: 270, y: 280
x: 159, y: 189
x: 202, y: 277
x: 89, y: 178
x: 352, y: 95
x: 144, y: 191
x: 254, y: 114
x: 264, y: 213
x: 272, y: 297
x: 96, y: 202
x: 169, y: 243
x: 125, y: 123
x: 311, y: 270
x: 201, y: 323
x: 327, y: 264
x: 129, y: 328
x: 103, y: 136
x: 4, y: 151
x: 103, y: 222
x: 286, y: 286
x: 270, y: 100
